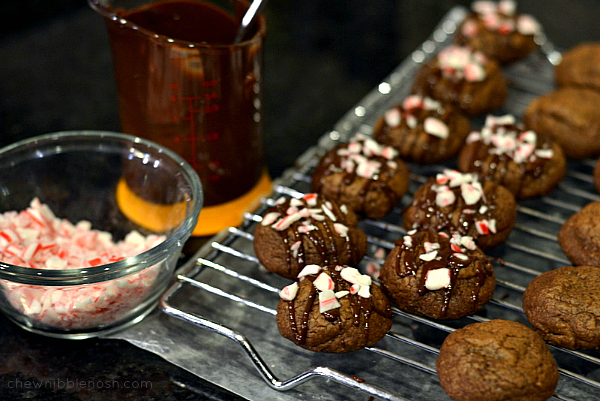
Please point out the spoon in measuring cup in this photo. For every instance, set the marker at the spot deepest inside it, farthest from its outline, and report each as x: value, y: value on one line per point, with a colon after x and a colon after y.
x: 252, y: 11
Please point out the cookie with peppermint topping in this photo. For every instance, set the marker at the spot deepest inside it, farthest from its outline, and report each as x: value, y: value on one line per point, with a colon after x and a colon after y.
x: 333, y: 308
x: 461, y: 203
x: 441, y: 275
x: 526, y: 163
x: 364, y: 175
x: 464, y: 78
x: 423, y: 130
x: 310, y: 230
x: 497, y: 30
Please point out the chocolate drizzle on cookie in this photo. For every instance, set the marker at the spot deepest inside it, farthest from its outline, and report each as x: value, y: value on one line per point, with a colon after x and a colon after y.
x: 362, y: 158
x: 313, y: 218
x: 437, y: 259
x: 456, y: 202
x: 503, y: 142
x: 331, y: 284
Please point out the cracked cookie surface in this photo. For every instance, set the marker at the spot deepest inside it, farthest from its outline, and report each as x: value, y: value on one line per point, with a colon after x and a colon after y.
x: 563, y: 305
x: 496, y: 360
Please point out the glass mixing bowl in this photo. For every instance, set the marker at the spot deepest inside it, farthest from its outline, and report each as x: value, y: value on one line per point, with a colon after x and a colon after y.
x: 93, y: 188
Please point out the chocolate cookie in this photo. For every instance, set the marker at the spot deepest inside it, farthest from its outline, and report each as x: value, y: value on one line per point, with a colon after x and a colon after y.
x: 464, y: 78
x: 438, y: 275
x: 364, y: 175
x: 423, y: 130
x: 333, y: 309
x: 580, y: 66
x: 563, y: 305
x: 570, y: 117
x: 456, y: 202
x: 310, y: 230
x: 498, y: 31
x: 524, y: 162
x: 497, y: 360
x: 579, y: 236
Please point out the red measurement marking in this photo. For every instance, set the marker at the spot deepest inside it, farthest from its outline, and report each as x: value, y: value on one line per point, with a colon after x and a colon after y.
x: 212, y: 136
x: 192, y: 139
x: 211, y: 109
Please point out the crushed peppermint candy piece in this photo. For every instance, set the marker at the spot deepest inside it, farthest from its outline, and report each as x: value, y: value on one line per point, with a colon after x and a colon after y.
x: 270, y: 218
x: 411, y: 121
x: 327, y: 301
x: 437, y: 279
x: 364, y: 291
x: 311, y: 199
x: 393, y: 117
x: 341, y: 229
x: 412, y: 102
x: 460, y: 256
x: 474, y: 72
x: 470, y: 29
x: 470, y: 193
x: 287, y: 221
x: 468, y: 242
x: 288, y: 293
x: 544, y: 153
x: 507, y: 7
x: 527, y: 25
x: 444, y: 196
x: 323, y: 282
x: 430, y: 246
x: 429, y: 256
x: 341, y: 294
x: 309, y: 270
x: 484, y: 7
x: 295, y: 247
x: 436, y: 127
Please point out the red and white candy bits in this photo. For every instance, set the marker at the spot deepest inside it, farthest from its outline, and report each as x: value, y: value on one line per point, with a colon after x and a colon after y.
x: 36, y: 238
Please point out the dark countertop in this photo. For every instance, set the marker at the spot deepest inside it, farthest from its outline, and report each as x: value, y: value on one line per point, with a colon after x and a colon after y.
x: 321, y: 58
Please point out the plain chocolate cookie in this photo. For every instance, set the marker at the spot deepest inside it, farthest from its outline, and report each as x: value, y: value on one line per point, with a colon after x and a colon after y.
x: 438, y: 275
x: 498, y: 31
x: 580, y: 66
x: 423, y: 130
x: 524, y: 162
x: 456, y: 202
x: 563, y: 306
x: 570, y: 117
x: 497, y: 360
x: 310, y: 230
x: 468, y: 80
x: 333, y: 309
x: 579, y: 236
x: 364, y: 175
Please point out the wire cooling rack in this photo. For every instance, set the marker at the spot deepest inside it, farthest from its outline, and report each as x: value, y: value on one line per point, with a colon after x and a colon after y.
x: 237, y: 297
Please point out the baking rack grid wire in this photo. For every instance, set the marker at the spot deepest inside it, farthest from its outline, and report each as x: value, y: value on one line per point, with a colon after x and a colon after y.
x: 549, y: 211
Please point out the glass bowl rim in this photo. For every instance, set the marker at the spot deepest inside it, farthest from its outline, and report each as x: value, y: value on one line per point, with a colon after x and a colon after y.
x: 107, y: 12
x: 130, y: 265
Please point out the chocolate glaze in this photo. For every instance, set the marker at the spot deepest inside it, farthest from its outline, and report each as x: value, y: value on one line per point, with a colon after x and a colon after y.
x: 408, y: 262
x: 494, y: 166
x: 322, y: 238
x: 332, y: 164
x: 361, y: 307
x: 458, y: 217
x: 416, y: 145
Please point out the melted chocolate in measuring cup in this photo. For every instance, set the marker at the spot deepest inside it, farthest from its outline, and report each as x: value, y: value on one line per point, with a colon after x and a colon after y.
x: 200, y: 99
